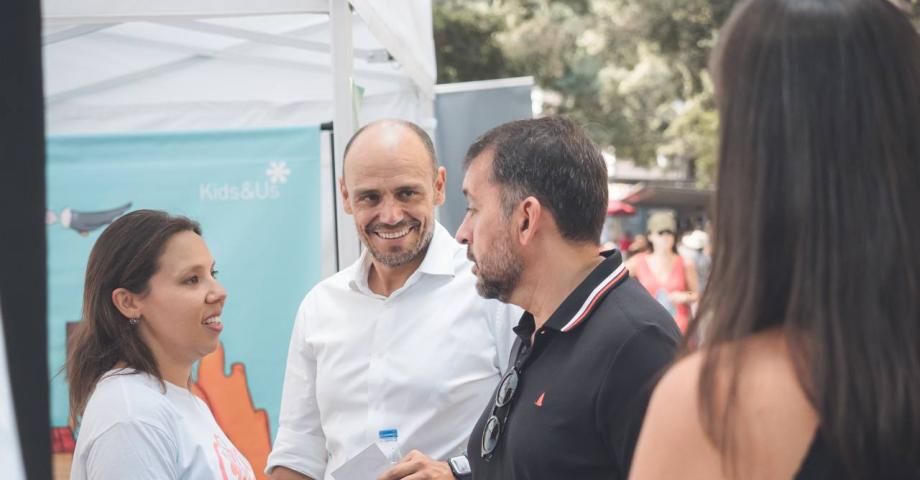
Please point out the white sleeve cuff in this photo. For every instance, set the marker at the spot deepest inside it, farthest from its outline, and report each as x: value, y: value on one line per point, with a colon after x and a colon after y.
x: 301, y: 452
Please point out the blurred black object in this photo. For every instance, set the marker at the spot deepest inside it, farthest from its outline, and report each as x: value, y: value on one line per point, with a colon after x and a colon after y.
x: 22, y: 233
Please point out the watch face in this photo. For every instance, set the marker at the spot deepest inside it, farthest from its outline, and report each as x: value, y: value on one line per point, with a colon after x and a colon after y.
x: 460, y: 465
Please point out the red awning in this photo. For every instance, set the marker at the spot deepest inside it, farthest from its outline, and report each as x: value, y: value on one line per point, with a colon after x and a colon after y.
x: 616, y: 207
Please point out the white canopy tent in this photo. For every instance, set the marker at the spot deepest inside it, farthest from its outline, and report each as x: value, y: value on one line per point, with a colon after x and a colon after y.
x: 173, y: 65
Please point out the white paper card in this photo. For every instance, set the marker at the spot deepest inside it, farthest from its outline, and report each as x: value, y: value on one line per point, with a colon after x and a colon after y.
x: 367, y: 465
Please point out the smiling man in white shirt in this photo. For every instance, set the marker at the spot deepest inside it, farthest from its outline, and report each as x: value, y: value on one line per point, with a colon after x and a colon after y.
x: 398, y: 340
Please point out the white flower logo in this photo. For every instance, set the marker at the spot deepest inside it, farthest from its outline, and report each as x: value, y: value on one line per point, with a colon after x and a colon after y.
x: 278, y: 172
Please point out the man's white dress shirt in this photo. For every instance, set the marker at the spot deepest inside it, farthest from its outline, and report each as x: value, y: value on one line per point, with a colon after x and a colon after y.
x: 424, y: 360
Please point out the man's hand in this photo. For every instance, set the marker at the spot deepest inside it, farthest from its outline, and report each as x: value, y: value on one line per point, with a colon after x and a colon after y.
x: 417, y: 466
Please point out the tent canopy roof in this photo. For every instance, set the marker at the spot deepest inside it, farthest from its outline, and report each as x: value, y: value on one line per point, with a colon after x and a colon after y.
x: 186, y: 64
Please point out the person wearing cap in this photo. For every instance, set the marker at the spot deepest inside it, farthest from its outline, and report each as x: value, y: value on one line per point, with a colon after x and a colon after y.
x: 591, y: 342
x: 667, y: 276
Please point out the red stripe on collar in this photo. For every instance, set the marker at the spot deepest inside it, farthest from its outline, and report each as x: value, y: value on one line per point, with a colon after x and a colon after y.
x: 611, y: 281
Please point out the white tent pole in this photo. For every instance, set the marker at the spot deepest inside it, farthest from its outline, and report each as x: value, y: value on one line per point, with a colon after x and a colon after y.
x: 252, y: 36
x: 121, y: 80
x: 343, y: 122
x: 73, y: 32
x: 264, y: 38
x: 235, y: 52
x: 196, y: 56
x: 70, y: 12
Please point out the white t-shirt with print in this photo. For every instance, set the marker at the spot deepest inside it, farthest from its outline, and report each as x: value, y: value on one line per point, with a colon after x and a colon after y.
x: 132, y: 429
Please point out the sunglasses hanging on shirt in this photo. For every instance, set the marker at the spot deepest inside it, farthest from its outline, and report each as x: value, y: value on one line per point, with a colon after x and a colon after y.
x: 502, y: 407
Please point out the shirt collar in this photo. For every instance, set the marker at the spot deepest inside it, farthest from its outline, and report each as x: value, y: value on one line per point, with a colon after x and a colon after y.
x: 438, y: 259
x: 585, y: 298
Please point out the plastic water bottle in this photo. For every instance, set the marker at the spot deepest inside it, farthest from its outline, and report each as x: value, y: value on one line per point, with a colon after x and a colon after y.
x: 387, y: 441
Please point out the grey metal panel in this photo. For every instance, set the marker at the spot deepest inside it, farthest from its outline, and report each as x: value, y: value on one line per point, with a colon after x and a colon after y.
x: 465, y: 114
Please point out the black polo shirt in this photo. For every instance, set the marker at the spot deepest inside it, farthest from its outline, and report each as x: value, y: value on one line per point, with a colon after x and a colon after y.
x: 584, y: 384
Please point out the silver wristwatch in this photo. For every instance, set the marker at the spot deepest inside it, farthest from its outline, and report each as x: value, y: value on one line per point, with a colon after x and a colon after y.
x: 460, y: 467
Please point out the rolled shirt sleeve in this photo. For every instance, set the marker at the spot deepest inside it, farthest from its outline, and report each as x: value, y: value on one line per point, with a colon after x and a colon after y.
x: 300, y: 444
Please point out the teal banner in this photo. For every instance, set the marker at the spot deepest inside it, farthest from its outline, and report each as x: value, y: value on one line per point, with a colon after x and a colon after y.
x: 256, y: 195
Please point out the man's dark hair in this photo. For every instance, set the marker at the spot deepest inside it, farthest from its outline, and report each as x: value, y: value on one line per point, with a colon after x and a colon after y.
x: 417, y: 130
x: 552, y: 160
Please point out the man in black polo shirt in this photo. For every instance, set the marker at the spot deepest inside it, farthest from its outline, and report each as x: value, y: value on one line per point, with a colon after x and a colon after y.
x: 592, y: 341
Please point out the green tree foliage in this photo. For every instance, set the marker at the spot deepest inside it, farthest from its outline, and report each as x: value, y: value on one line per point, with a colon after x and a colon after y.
x: 467, y: 44
x: 634, y: 72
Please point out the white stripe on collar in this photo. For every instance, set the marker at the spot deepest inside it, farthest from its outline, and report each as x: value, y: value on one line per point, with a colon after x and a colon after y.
x: 603, y: 286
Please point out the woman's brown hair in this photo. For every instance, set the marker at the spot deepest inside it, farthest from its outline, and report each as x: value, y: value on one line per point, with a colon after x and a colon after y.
x: 126, y: 255
x: 817, y: 219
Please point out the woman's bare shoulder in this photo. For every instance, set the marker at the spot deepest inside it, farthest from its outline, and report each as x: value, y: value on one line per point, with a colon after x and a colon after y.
x: 673, y: 443
x: 771, y: 421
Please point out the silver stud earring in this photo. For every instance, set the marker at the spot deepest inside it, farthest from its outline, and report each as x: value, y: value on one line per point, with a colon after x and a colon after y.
x: 133, y: 321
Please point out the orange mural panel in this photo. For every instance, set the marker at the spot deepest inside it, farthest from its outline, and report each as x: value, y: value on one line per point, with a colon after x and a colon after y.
x: 230, y: 401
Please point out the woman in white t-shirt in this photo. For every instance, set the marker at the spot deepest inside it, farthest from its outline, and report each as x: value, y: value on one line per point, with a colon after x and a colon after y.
x: 151, y: 309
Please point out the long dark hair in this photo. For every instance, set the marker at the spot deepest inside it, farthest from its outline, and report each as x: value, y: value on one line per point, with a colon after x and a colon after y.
x: 126, y: 255
x: 816, y: 218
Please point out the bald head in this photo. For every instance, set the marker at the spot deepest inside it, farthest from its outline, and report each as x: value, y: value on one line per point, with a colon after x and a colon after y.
x: 391, y: 133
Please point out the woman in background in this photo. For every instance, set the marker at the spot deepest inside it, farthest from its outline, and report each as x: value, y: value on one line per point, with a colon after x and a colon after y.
x: 666, y: 275
x: 811, y: 367
x: 151, y: 309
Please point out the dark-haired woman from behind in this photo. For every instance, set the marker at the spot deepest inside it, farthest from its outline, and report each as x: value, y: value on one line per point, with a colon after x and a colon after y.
x: 811, y: 368
x: 151, y: 309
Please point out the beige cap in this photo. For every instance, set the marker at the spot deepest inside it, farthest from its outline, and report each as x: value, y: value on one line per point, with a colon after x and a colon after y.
x: 659, y: 221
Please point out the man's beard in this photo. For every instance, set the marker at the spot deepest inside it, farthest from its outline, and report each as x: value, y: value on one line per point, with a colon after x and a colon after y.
x: 403, y: 257
x: 499, y: 272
